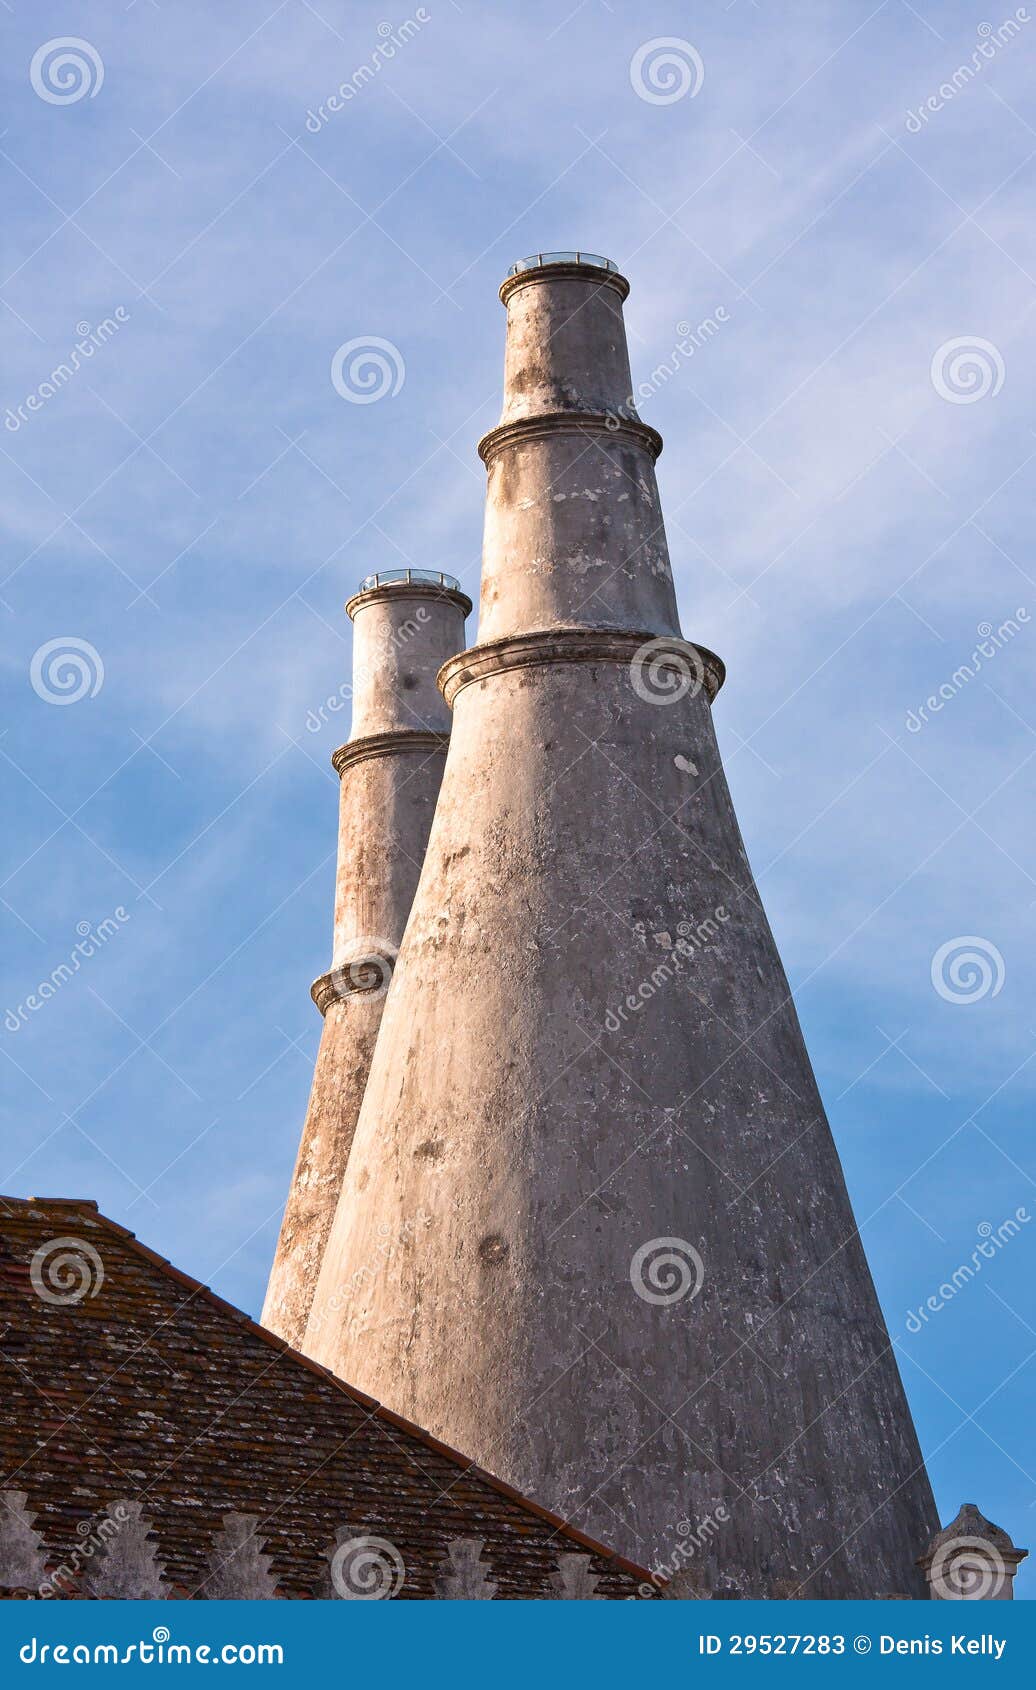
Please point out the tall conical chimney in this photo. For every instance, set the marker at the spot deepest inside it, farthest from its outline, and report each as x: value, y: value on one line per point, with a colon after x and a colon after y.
x: 405, y: 624
x: 625, y: 1274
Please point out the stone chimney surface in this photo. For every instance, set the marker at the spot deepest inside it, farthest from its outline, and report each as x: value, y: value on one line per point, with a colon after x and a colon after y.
x: 624, y: 1270
x: 405, y: 624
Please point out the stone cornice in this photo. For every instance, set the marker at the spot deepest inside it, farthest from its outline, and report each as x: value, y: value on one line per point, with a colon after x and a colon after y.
x: 386, y: 745
x: 368, y: 974
x: 666, y: 668
x: 613, y: 424
x: 592, y: 274
x: 323, y: 992
x: 409, y: 590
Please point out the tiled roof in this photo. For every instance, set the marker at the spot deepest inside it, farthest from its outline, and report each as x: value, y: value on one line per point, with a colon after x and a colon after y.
x: 153, y: 1434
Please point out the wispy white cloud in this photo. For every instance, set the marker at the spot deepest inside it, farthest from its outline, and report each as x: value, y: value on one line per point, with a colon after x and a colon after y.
x: 838, y: 530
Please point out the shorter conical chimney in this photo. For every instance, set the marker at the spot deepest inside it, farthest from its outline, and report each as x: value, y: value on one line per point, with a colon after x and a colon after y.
x: 405, y: 625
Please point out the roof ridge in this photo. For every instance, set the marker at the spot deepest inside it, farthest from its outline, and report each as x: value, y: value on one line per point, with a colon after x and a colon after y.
x: 57, y: 1202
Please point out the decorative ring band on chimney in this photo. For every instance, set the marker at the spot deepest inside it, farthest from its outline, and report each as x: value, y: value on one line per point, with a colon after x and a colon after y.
x: 613, y: 424
x: 385, y: 745
x: 408, y: 589
x: 582, y: 645
x: 594, y: 275
x: 323, y: 992
x: 367, y: 975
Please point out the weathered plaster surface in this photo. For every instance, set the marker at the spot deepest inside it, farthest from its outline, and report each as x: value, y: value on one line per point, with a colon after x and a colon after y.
x: 390, y: 770
x: 582, y: 831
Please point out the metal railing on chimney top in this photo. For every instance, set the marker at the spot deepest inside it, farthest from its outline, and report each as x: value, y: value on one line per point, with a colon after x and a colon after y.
x: 430, y: 577
x: 538, y: 259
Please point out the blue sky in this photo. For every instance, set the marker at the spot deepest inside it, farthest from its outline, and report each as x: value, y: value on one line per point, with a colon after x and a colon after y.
x: 848, y: 494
